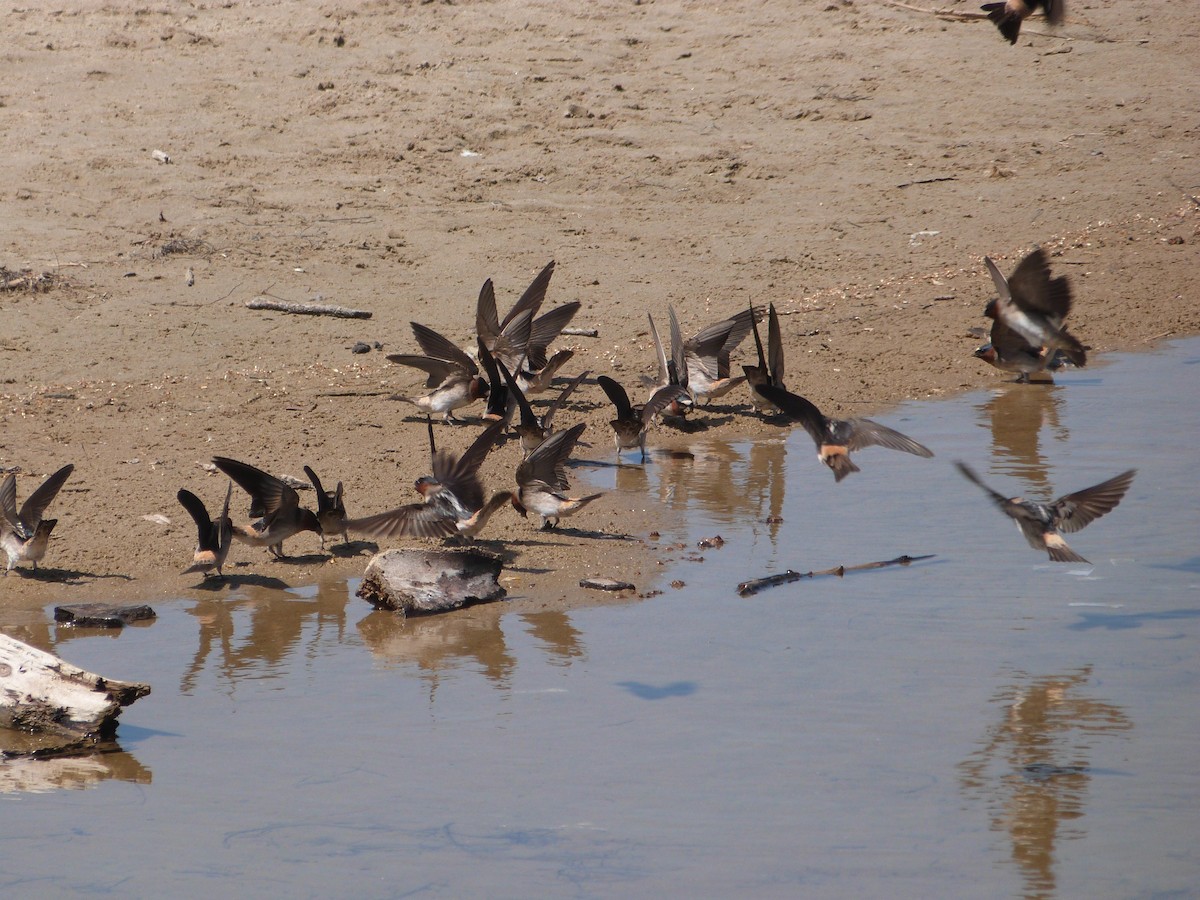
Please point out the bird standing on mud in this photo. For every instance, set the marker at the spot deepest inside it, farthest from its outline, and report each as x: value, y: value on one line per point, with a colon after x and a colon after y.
x: 532, y: 429
x: 331, y: 509
x: 275, y: 501
x: 706, y: 355
x: 25, y: 535
x: 769, y: 371
x: 1029, y: 313
x: 213, y: 536
x: 629, y: 427
x: 672, y: 372
x: 542, y: 480
x: 453, y: 375
x: 526, y: 359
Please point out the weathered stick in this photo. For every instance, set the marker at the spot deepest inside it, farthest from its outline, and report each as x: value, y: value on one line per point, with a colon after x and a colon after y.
x: 354, y: 393
x: 754, y: 585
x: 307, y: 309
x: 928, y: 181
x: 40, y: 692
x: 581, y: 332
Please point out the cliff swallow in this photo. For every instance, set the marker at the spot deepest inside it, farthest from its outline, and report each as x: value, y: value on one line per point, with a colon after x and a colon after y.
x: 672, y: 372
x: 1041, y: 523
x: 25, y: 535
x: 487, y: 323
x: 453, y: 375
x: 545, y: 329
x: 532, y: 429
x: 452, y: 497
x: 500, y: 404
x: 836, y: 438
x: 213, y: 538
x: 542, y: 480
x: 509, y: 352
x: 529, y: 364
x: 1010, y: 352
x: 769, y: 370
x: 1034, y: 306
x: 275, y: 500
x: 511, y: 344
x: 536, y: 371
x: 672, y: 369
x: 1009, y: 14
x: 331, y: 510
x: 629, y: 427
x: 706, y: 357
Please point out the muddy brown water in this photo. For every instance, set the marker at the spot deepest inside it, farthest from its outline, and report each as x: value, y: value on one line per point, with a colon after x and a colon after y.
x: 984, y: 724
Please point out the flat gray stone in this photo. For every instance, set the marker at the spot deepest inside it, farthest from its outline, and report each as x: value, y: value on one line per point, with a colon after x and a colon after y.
x: 101, y: 615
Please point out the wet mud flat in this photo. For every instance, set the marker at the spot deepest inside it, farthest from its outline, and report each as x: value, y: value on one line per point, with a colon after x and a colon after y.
x: 985, y: 723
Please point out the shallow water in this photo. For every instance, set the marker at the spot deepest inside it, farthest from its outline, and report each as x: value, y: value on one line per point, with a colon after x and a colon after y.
x: 982, y: 724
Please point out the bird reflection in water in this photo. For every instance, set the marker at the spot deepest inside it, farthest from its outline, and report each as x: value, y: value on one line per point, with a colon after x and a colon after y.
x: 765, y: 482
x: 1016, y: 414
x: 561, y: 640
x: 276, y: 626
x: 467, y: 638
x: 1033, y: 767
x: 445, y: 642
x: 631, y: 479
x: 265, y: 631
x: 731, y: 482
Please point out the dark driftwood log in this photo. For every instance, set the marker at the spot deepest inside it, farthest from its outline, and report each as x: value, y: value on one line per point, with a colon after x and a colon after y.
x: 606, y: 584
x: 307, y: 309
x: 754, y: 585
x: 39, y: 692
x: 101, y: 615
x: 426, y: 581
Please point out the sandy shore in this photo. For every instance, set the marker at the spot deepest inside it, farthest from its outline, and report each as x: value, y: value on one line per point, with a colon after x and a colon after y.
x: 849, y: 162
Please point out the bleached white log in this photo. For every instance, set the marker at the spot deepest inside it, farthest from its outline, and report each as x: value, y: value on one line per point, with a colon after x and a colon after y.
x: 41, y: 693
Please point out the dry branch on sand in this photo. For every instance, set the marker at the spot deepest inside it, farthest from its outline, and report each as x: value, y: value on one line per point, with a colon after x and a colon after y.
x: 26, y: 280
x: 306, y: 309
